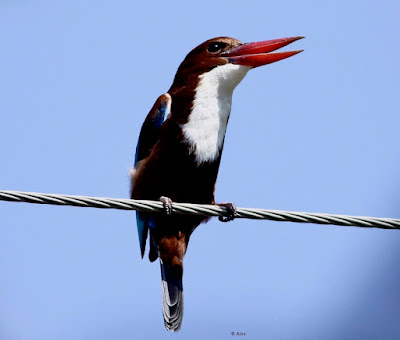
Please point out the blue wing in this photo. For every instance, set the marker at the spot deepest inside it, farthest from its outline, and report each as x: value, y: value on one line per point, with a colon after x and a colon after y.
x: 149, y: 136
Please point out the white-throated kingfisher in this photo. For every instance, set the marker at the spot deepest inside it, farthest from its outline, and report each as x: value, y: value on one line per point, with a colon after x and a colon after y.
x: 179, y: 151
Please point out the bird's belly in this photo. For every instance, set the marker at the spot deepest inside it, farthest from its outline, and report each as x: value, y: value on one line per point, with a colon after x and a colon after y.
x: 181, y: 180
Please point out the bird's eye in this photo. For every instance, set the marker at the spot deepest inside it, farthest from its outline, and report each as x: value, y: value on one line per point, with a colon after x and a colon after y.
x: 216, y: 47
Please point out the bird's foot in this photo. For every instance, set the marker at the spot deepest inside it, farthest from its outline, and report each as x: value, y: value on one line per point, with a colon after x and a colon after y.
x: 167, y: 204
x: 231, y: 211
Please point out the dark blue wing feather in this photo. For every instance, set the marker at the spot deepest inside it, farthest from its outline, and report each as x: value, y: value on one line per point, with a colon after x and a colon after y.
x: 149, y: 136
x: 150, y: 131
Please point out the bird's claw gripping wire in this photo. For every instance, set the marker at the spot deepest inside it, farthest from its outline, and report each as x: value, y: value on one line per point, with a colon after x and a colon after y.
x: 231, y: 211
x: 167, y: 204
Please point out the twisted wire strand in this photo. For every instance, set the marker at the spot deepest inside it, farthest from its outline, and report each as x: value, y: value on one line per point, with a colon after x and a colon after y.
x: 198, y: 209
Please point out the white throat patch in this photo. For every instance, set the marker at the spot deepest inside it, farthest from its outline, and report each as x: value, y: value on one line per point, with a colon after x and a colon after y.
x: 205, y: 130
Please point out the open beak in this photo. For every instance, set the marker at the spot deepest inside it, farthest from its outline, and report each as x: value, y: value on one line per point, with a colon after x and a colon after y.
x: 256, y: 54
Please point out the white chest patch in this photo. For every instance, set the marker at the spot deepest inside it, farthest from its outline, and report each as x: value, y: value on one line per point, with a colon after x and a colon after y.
x: 205, y: 130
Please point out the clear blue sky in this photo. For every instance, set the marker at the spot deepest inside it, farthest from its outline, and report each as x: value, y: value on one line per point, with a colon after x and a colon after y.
x: 318, y: 132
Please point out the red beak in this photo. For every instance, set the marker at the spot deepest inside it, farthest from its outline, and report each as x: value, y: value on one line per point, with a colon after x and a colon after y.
x: 256, y: 54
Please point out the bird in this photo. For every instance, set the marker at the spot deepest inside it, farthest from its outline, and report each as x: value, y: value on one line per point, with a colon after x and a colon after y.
x: 179, y: 149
